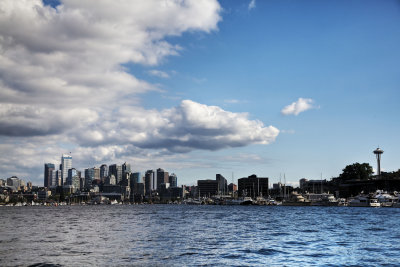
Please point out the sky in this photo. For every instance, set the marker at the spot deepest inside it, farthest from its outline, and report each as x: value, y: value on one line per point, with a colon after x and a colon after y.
x: 280, y: 88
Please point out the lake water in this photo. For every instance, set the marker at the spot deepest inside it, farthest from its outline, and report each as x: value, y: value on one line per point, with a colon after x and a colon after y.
x: 179, y: 235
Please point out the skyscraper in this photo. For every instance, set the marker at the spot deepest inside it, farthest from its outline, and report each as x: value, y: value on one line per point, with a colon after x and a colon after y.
x: 103, y: 171
x: 162, y: 177
x: 222, y: 184
x: 126, y: 168
x: 66, y: 164
x: 150, y: 181
x: 48, y: 174
x: 136, y: 177
x: 71, y: 173
x: 173, y: 180
x: 90, y: 175
x: 115, y: 170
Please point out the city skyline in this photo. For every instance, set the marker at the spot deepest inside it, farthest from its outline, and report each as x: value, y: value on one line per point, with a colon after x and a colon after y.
x: 199, y: 88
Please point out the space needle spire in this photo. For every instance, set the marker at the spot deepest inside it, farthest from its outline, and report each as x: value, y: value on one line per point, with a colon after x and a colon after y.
x: 378, y: 152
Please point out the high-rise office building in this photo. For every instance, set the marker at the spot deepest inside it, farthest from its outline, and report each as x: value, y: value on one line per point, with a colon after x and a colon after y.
x: 162, y: 177
x: 66, y: 164
x: 71, y: 173
x: 96, y: 173
x: 103, y: 171
x: 89, y: 177
x: 126, y: 168
x: 57, y: 178
x: 173, y: 180
x: 222, y: 184
x: 48, y: 174
x: 115, y: 170
x: 150, y: 181
x: 136, y: 177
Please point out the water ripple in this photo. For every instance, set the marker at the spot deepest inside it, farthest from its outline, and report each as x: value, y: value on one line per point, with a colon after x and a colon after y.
x: 176, y: 235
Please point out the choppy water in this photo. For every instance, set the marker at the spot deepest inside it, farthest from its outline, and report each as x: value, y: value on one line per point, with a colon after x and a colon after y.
x: 177, y: 235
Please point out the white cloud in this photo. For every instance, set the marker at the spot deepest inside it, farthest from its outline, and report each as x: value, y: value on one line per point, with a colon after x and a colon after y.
x: 301, y: 105
x: 183, y: 128
x: 64, y: 87
x: 159, y: 73
x: 252, y: 4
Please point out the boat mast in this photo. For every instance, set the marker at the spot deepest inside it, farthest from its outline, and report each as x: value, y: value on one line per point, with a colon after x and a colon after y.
x: 321, y: 184
x: 284, y: 184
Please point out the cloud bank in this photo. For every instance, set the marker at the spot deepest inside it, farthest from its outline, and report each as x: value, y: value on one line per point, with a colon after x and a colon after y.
x: 301, y: 105
x: 63, y: 84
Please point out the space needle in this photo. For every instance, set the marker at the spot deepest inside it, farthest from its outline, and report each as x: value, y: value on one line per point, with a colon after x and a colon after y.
x: 378, y: 152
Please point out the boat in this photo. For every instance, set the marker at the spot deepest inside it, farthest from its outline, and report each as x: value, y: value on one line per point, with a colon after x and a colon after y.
x: 364, y: 201
x: 261, y: 201
x: 342, y: 202
x: 191, y: 201
x: 385, y: 199
x: 323, y: 199
x: 247, y: 201
x: 296, y: 199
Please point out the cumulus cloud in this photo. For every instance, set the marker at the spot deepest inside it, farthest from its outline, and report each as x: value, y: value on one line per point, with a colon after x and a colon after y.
x: 301, y: 105
x: 189, y: 126
x: 60, y: 66
x: 64, y: 85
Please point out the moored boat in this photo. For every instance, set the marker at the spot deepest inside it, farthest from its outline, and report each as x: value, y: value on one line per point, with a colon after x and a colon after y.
x: 364, y: 201
x: 296, y: 199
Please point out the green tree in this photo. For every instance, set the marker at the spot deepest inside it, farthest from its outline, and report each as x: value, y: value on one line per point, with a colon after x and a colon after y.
x: 356, y: 171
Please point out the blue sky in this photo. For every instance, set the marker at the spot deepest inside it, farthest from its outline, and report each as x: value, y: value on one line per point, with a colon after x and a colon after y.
x: 343, y: 56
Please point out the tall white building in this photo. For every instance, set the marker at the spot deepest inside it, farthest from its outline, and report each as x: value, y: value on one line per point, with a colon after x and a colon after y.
x: 66, y: 164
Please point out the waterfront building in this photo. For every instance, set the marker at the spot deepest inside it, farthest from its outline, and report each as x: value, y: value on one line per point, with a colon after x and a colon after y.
x: 66, y: 164
x: 150, y: 181
x: 43, y: 194
x: 173, y: 180
x: 232, y: 187
x: 207, y: 188
x: 115, y: 170
x: 139, y: 189
x: 162, y: 177
x: 314, y: 186
x: 222, y: 184
x: 103, y: 171
x: 14, y: 183
x: 48, y: 174
x: 253, y: 186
